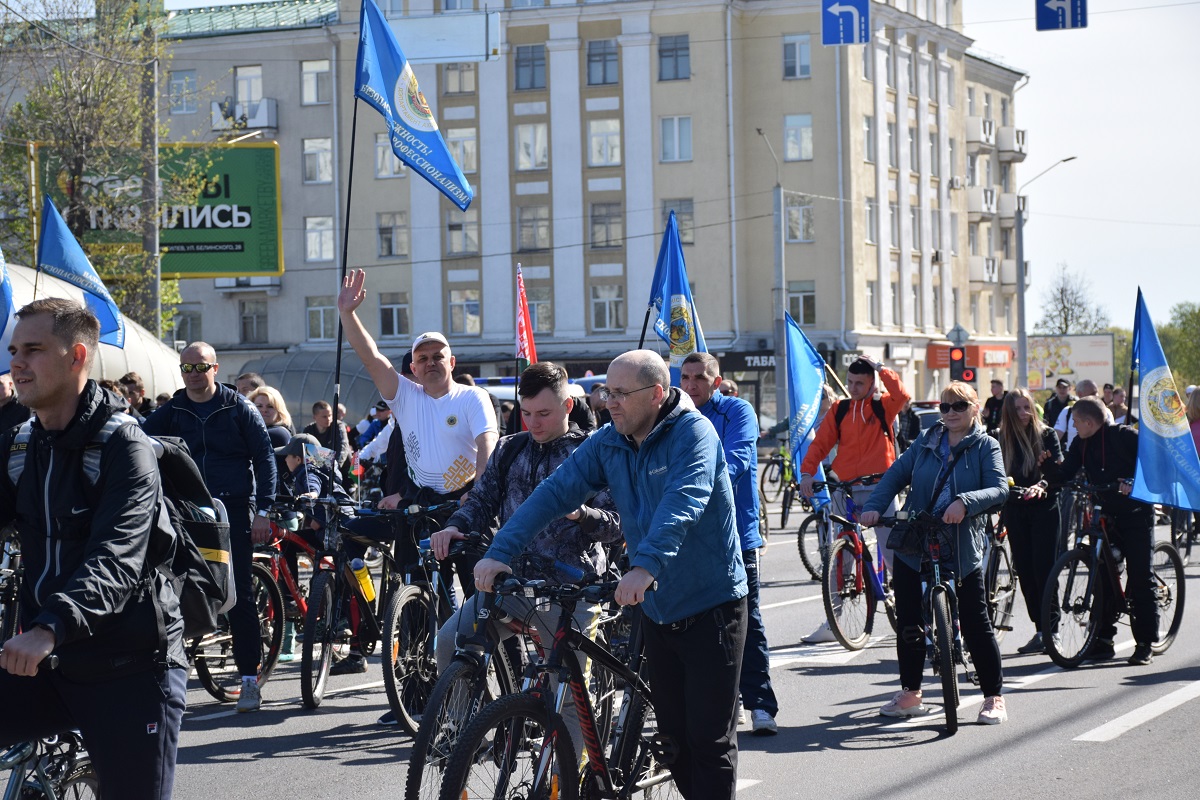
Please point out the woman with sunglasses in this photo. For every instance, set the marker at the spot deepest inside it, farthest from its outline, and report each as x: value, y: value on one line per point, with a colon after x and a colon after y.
x: 275, y: 414
x: 957, y: 455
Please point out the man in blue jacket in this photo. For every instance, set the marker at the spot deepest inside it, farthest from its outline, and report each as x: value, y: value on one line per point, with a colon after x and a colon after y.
x: 737, y: 427
x: 664, y: 467
x: 228, y: 440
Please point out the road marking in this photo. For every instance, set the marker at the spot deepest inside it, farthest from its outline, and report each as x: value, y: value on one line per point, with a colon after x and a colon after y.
x: 809, y: 599
x: 290, y: 702
x: 825, y: 654
x: 745, y: 783
x: 1127, y: 722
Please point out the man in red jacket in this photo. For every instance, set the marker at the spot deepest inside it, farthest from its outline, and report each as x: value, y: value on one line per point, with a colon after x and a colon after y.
x: 862, y: 429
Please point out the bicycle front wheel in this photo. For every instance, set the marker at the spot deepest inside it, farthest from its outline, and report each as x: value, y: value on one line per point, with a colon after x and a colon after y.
x: 771, y: 481
x: 508, y: 751
x: 944, y: 639
x: 1071, y: 608
x: 812, y: 542
x: 1169, y: 584
x: 409, y: 662
x: 81, y: 784
x: 321, y: 631
x: 1001, y: 589
x: 849, y: 598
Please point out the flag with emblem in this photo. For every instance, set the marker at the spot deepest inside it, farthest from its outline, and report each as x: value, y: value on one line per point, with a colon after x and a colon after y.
x: 526, y: 349
x: 671, y: 299
x: 60, y: 255
x: 8, y: 315
x: 805, y: 382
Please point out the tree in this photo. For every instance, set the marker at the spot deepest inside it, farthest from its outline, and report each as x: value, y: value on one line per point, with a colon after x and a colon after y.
x: 1068, y: 307
x: 1181, y: 342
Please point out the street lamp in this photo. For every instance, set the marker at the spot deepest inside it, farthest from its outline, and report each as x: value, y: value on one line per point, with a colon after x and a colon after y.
x: 1022, y: 341
x: 779, y: 297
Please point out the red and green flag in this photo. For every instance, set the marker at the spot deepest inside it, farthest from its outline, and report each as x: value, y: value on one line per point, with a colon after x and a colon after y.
x: 526, y: 350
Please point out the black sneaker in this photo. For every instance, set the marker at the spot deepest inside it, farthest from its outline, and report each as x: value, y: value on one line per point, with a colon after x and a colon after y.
x: 353, y: 664
x: 1034, y: 645
x: 1101, y: 650
x: 1142, y: 655
x: 388, y: 718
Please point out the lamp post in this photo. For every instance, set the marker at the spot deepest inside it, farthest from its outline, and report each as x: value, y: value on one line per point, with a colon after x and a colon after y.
x: 1022, y: 341
x: 778, y: 295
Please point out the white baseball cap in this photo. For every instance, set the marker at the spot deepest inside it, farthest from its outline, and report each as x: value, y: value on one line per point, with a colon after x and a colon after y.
x: 425, y: 338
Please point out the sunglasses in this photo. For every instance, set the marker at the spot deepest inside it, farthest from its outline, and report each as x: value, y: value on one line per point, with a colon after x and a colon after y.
x: 960, y: 406
x: 201, y: 368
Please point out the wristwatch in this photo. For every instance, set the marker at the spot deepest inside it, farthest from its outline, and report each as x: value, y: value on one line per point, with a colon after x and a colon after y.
x: 263, y: 514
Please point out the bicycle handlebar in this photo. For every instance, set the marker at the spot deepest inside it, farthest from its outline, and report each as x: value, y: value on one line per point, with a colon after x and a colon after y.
x: 602, y: 592
x: 407, y: 511
x: 862, y: 480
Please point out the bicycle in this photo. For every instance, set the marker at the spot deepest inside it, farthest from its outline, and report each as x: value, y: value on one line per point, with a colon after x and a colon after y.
x: 1073, y: 605
x: 53, y: 768
x: 1183, y: 532
x: 813, y: 538
x: 999, y: 578
x: 776, y: 473
x: 10, y: 581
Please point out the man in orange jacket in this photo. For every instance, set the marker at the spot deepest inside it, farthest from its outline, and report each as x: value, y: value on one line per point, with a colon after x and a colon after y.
x: 862, y: 429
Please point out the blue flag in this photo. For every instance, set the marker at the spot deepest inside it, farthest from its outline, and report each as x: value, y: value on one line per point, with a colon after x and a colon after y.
x: 671, y: 298
x: 61, y: 256
x: 385, y: 80
x: 805, y: 378
x: 8, y: 318
x: 1168, y: 470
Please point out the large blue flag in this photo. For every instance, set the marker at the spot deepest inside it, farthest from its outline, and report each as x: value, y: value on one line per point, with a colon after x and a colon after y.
x: 671, y: 298
x: 8, y: 318
x: 61, y: 256
x: 1168, y: 469
x: 805, y: 380
x: 385, y: 80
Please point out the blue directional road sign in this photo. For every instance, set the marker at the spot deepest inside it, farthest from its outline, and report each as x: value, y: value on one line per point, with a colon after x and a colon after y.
x: 845, y: 21
x: 1061, y: 15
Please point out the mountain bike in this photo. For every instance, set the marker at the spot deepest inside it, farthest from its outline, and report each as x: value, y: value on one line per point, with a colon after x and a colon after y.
x: 999, y: 577
x: 1183, y: 532
x: 776, y: 473
x: 53, y: 768
x: 1085, y: 576
x: 815, y: 533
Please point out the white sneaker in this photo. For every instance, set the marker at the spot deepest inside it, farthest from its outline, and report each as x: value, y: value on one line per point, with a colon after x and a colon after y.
x: 741, y: 714
x: 250, y: 698
x: 763, y: 723
x: 820, y: 635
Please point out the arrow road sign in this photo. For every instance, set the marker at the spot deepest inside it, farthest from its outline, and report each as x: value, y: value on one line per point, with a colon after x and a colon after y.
x: 1061, y: 15
x: 845, y: 22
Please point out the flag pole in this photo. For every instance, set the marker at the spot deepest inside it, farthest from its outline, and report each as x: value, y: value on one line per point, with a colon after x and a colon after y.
x: 516, y: 351
x: 340, y: 430
x: 830, y: 373
x: 645, y: 325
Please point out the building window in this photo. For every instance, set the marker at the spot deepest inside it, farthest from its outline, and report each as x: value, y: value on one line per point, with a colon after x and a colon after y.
x: 801, y: 223
x: 459, y: 78
x: 950, y: 90
x: 602, y: 62
x: 393, y: 234
x: 935, y: 225
x: 890, y: 65
x: 1005, y: 177
x: 316, y: 87
x: 802, y: 301
x: 973, y: 239
x: 797, y: 57
x: 990, y: 242
x: 182, y: 92
x: 869, y: 138
x: 604, y: 143
x: 970, y: 101
x: 918, y: 317
x: 674, y: 59
x: 911, y: 63
x: 253, y: 314
x: 913, y: 155
x: 608, y: 307
x: 892, y: 146
x: 676, y: 139
x: 872, y: 209
x: 462, y: 231
x: 931, y: 80
x: 935, y: 169
x: 464, y: 312
x: 608, y: 229
x: 1008, y: 315
x: 895, y: 290
x: 533, y: 227
x: 954, y: 233
x: 1006, y: 242
x: 387, y: 163
x: 953, y: 148
x: 533, y: 146
x: 528, y: 3
x: 247, y: 88
x: 797, y: 137
x: 975, y: 311
x: 894, y: 224
x: 914, y: 213
x: 541, y: 310
x: 937, y: 307
x: 393, y: 314
x: 318, y: 160
x: 531, y: 67
x: 868, y: 63
x: 458, y: 5
x: 872, y: 300
x: 987, y: 105
x: 972, y: 170
x: 318, y: 238
x: 322, y: 318
x: 463, y: 147
x: 684, y: 218
x: 188, y: 326
x: 1004, y: 111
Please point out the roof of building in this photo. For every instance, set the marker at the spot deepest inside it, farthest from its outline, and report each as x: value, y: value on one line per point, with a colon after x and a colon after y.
x: 275, y: 15
x: 994, y: 59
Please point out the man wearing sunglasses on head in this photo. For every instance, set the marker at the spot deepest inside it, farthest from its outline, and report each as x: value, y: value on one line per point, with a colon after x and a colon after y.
x: 228, y: 440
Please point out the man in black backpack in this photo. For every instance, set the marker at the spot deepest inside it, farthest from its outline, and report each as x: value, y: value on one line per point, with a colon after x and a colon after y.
x: 99, y: 602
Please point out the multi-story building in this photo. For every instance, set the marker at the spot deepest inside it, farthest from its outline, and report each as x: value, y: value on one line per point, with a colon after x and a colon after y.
x: 586, y: 126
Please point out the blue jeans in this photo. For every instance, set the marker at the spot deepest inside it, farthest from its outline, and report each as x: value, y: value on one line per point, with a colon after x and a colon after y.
x: 755, y: 683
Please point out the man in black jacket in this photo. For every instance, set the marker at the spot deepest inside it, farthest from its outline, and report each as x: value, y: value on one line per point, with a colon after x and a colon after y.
x: 12, y: 413
x: 98, y: 603
x: 228, y: 440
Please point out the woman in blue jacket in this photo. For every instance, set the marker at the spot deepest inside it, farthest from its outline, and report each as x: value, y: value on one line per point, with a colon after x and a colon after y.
x: 976, y: 483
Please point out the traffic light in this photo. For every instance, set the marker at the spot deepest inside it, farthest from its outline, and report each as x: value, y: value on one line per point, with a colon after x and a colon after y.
x: 959, y: 371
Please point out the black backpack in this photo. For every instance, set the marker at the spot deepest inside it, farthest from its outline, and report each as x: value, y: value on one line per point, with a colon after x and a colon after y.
x: 843, y: 408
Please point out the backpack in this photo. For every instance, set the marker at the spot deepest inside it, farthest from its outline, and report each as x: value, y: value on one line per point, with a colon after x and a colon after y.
x: 843, y: 408
x: 189, y: 544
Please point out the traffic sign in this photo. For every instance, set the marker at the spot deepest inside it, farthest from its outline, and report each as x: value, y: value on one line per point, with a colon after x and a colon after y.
x: 958, y: 335
x: 1061, y: 15
x: 845, y: 22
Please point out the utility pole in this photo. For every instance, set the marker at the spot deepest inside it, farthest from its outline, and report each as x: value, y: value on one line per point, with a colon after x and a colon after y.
x: 778, y: 293
x: 149, y: 202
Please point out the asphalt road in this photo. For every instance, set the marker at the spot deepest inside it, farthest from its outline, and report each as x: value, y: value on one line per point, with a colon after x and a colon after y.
x: 1104, y: 730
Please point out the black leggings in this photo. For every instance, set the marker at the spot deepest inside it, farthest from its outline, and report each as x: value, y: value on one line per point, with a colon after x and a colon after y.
x: 1033, y: 535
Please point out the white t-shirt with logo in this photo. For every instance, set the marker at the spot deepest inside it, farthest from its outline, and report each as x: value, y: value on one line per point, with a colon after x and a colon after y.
x: 439, y: 433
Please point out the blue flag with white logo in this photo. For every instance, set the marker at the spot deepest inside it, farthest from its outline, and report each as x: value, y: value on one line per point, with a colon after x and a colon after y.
x: 806, y: 379
x: 385, y: 79
x: 671, y: 297
x: 61, y: 256
x: 8, y: 315
x: 1168, y: 469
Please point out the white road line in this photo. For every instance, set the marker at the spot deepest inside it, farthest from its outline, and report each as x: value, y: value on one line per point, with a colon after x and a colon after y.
x: 290, y: 702
x: 746, y: 783
x: 828, y: 654
x: 790, y: 602
x: 1127, y: 722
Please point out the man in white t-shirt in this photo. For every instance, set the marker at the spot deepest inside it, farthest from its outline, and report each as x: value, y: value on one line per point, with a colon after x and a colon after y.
x: 1065, y: 424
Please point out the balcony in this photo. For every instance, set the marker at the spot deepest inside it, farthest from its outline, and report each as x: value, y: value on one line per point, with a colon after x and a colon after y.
x: 250, y: 283
x: 981, y: 202
x: 1011, y: 143
x: 1008, y: 273
x: 981, y: 134
x: 982, y: 269
x: 228, y: 116
x: 1009, y: 204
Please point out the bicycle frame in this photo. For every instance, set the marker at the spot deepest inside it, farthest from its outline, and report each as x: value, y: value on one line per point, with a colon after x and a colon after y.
x: 931, y: 582
x: 852, y: 533
x: 272, y: 556
x: 43, y: 757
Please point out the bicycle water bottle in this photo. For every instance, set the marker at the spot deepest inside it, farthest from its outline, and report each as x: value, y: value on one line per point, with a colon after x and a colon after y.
x: 363, y: 575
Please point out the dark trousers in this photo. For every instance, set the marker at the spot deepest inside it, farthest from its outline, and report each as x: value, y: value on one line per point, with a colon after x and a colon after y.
x: 973, y: 617
x: 130, y: 725
x: 755, y: 683
x: 693, y: 668
x: 243, y: 617
x: 1033, y: 536
x: 1134, y: 536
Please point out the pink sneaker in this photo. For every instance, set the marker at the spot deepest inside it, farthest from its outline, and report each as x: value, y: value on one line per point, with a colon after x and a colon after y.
x: 993, y: 712
x: 905, y: 704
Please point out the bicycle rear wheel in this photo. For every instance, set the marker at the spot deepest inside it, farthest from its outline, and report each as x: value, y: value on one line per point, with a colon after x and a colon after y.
x: 764, y: 524
x: 771, y: 480
x: 849, y: 598
x: 1169, y: 585
x: 944, y: 640
x: 785, y: 510
x: 80, y: 784
x: 409, y: 661
x: 507, y: 752
x: 1001, y: 589
x: 813, y: 531
x: 1071, y: 608
x: 215, y: 666
x: 322, y: 632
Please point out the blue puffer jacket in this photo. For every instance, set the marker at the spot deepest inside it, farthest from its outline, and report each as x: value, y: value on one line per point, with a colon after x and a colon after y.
x: 978, y: 480
x: 737, y: 428
x: 676, y: 506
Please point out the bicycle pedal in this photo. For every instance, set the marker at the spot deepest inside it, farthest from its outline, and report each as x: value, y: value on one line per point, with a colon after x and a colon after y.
x: 973, y: 677
x: 1003, y: 627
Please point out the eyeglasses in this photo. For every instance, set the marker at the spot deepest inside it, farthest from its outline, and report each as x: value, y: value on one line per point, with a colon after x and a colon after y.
x: 620, y: 397
x: 960, y: 406
x: 201, y: 368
